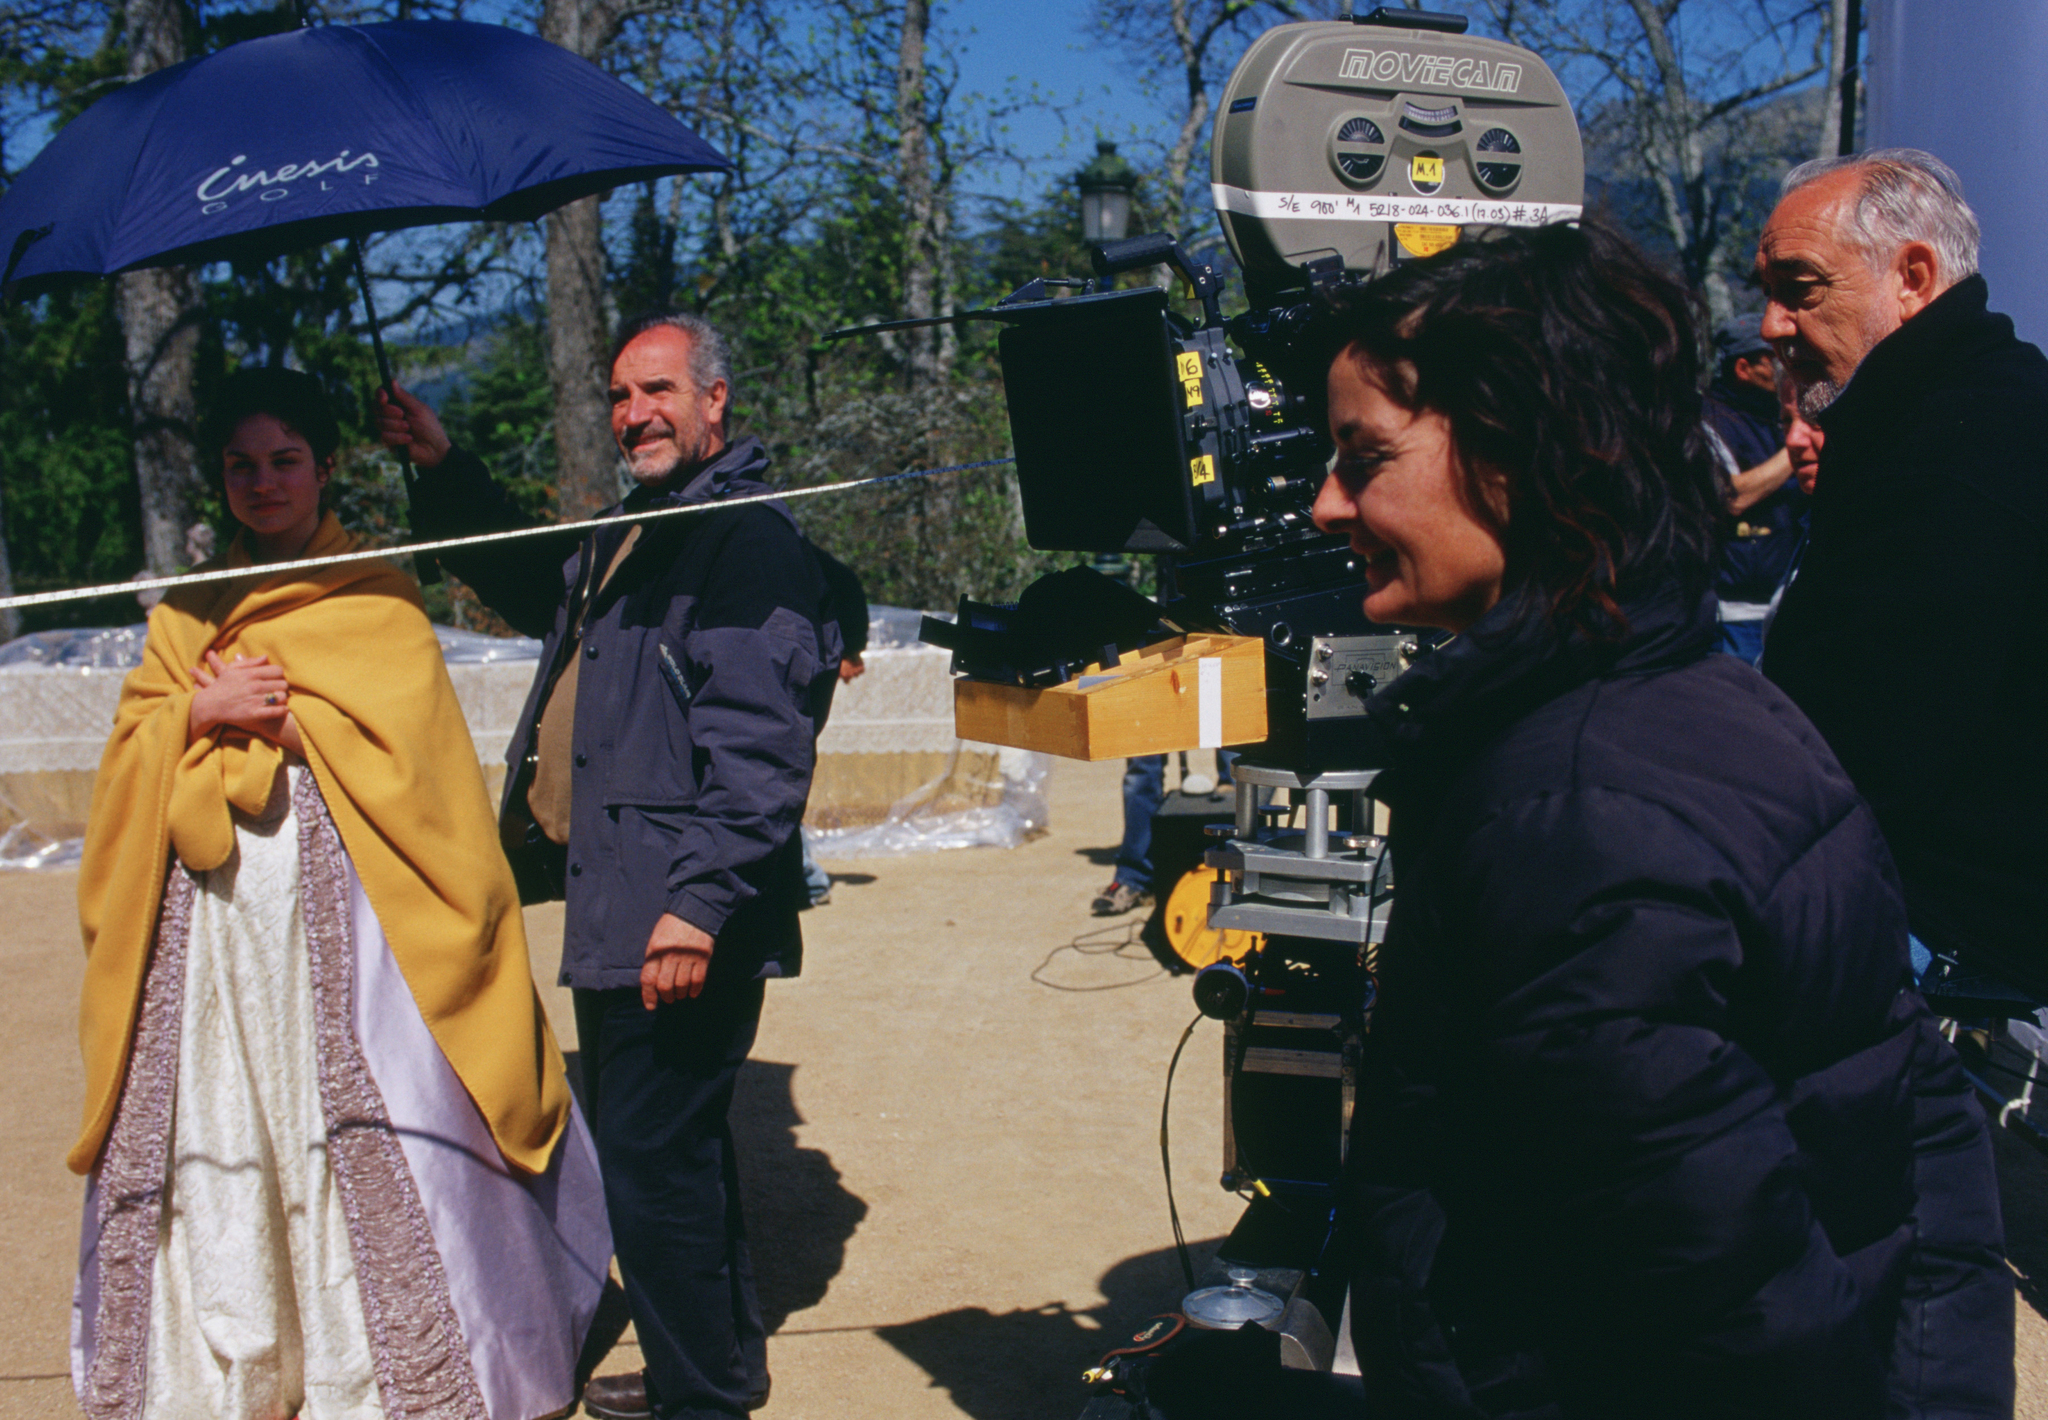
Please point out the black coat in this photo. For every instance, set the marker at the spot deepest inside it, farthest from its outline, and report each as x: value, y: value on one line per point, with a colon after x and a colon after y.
x: 1915, y: 636
x: 1652, y: 1124
x: 708, y: 662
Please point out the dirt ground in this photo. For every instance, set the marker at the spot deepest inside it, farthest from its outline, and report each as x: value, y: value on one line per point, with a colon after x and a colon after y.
x: 948, y: 1137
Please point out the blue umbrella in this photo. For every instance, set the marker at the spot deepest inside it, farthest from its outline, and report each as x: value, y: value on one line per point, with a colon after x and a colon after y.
x: 318, y: 134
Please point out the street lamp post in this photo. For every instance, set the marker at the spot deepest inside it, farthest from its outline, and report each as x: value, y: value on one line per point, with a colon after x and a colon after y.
x: 1106, y: 187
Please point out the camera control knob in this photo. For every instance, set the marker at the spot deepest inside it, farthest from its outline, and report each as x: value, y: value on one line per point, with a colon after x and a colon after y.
x: 1221, y: 991
x: 1324, y: 651
x: 1361, y: 682
x: 1318, y: 676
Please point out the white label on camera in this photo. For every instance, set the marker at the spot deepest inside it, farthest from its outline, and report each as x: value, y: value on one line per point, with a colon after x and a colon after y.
x: 1209, y: 701
x: 1347, y: 207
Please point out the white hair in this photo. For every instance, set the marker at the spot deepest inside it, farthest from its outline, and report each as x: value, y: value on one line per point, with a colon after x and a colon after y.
x: 710, y: 357
x: 1904, y: 195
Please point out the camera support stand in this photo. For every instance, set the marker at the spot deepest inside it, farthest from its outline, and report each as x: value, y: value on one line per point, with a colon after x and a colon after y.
x: 1291, y: 884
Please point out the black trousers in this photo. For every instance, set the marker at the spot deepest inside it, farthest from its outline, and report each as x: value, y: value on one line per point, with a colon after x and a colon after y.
x: 659, y: 1085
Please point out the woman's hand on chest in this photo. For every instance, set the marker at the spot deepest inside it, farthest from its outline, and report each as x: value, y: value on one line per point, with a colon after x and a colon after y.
x: 247, y: 693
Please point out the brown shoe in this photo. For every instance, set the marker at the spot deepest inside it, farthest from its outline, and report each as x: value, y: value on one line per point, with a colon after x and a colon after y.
x: 618, y: 1397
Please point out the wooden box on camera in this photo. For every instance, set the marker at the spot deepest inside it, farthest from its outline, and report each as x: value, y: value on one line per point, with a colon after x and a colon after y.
x: 1193, y: 692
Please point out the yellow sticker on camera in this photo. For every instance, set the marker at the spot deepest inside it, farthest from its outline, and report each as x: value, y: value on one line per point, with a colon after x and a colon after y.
x: 1426, y: 170
x: 1189, y: 365
x: 1424, y: 238
x: 1193, y: 390
x: 1202, y: 469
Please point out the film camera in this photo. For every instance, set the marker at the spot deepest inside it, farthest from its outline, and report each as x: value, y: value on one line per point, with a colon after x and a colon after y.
x: 1341, y: 150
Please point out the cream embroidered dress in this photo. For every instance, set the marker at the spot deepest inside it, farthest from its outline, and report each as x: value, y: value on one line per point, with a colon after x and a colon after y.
x: 298, y: 1206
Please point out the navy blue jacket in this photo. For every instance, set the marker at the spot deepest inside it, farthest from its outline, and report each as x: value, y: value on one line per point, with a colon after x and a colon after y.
x: 708, y: 666
x: 1652, y: 1123
x: 1764, y: 541
x: 1915, y: 636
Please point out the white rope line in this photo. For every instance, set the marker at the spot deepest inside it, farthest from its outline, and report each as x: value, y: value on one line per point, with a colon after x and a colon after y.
x: 272, y: 569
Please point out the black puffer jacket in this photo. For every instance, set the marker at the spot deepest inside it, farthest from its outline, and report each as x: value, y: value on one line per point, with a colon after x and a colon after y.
x: 1653, y: 1125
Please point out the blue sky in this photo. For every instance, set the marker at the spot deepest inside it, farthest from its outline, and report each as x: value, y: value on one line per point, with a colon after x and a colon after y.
x: 1050, y: 44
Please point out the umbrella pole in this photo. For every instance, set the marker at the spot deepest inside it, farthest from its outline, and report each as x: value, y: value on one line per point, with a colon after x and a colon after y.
x: 427, y: 567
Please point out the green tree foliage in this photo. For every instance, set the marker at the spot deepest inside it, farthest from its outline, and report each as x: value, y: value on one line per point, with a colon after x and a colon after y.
x: 70, y: 507
x: 503, y: 413
x: 810, y: 232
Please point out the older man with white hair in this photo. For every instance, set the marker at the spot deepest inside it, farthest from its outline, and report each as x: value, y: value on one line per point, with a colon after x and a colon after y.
x: 1916, y: 634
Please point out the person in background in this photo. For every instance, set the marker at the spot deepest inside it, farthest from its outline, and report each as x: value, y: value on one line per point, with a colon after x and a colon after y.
x: 847, y: 604
x: 199, y: 539
x: 335, y: 1169
x: 1766, y: 503
x: 1803, y: 440
x: 1144, y: 790
x: 1916, y: 634
x: 1802, y: 446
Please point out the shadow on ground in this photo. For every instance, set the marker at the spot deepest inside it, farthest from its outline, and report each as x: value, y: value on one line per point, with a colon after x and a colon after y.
x: 1100, y: 857
x: 799, y: 1216
x: 2023, y: 1197
x: 1027, y: 1365
x: 852, y: 879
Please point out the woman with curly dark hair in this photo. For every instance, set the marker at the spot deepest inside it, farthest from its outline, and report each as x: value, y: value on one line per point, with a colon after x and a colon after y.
x: 1654, y: 1123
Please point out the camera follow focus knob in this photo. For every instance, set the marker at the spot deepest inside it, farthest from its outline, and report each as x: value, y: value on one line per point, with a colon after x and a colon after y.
x: 1221, y: 991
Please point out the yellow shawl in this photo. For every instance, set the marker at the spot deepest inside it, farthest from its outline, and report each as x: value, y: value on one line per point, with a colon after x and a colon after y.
x: 396, y: 765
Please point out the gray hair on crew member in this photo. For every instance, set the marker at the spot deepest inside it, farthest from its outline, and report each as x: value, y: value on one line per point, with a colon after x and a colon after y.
x: 1906, y: 195
x: 710, y: 359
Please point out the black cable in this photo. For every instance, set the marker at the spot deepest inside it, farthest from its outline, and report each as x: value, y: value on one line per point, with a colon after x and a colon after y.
x: 1180, y: 1242
x: 1097, y: 943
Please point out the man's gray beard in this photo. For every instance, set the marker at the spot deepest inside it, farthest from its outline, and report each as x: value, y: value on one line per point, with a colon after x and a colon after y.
x: 1816, y: 397
x: 665, y: 479
x: 650, y: 480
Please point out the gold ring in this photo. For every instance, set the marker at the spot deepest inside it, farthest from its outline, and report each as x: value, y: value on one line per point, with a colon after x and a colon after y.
x: 270, y: 699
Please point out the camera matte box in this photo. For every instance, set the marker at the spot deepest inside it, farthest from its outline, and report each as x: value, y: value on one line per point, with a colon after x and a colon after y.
x: 1095, y: 408
x: 1192, y: 692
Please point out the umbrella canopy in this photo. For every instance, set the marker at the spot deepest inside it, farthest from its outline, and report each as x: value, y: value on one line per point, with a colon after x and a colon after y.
x: 295, y: 139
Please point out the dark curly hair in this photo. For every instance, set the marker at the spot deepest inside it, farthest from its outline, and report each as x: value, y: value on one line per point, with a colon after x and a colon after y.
x: 293, y: 398
x: 1564, y: 359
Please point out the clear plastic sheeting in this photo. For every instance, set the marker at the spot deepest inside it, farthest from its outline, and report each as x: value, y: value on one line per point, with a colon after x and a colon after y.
x: 895, y: 628
x: 21, y: 847
x: 989, y: 796
x: 892, y: 777
x: 120, y: 647
x: 474, y: 648
x: 91, y: 647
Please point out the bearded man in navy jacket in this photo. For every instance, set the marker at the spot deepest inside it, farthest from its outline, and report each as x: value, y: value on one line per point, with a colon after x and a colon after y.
x: 656, y: 782
x: 1915, y: 633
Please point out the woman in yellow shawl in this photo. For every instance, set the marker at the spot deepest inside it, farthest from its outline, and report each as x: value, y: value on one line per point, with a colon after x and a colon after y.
x: 335, y: 1172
